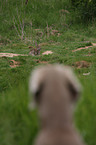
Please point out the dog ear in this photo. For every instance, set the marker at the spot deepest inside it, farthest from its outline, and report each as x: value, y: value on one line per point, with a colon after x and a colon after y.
x: 75, y: 92
x: 72, y: 82
x: 74, y: 85
x: 36, y: 84
x: 37, y: 95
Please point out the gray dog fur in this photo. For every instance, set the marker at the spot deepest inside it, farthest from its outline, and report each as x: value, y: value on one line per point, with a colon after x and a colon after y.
x: 55, y: 89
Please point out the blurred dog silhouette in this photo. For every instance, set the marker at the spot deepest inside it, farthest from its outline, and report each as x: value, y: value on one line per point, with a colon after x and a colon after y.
x: 55, y: 89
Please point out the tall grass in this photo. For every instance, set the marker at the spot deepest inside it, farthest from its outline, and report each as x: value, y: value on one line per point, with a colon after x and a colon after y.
x: 35, y: 14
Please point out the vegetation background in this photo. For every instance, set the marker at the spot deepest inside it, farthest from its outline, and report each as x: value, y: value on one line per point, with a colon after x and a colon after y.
x: 60, y: 26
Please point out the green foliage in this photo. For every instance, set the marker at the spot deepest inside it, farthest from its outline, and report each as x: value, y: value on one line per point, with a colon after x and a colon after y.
x: 86, y: 9
x: 18, y: 125
x: 35, y: 14
x: 85, y: 107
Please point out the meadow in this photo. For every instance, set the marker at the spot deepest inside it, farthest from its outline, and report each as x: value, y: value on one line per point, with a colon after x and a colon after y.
x: 56, y: 27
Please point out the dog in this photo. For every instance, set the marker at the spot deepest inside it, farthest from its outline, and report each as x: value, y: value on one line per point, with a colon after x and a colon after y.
x: 55, y: 89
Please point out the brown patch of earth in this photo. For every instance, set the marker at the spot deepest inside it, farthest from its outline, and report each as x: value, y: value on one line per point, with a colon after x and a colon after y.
x: 82, y: 64
x: 14, y: 63
x: 11, y: 54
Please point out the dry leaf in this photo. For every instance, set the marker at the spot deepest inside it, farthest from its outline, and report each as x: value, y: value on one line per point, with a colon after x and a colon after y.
x: 11, y: 54
x: 39, y: 34
x: 64, y: 11
x: 54, y: 32
x: 43, y: 44
x: 47, y: 52
x: 37, y: 29
x: 44, y: 62
x: 59, y: 34
x: 94, y: 44
x: 89, y: 55
x: 81, y: 48
x: 86, y: 74
x: 14, y: 63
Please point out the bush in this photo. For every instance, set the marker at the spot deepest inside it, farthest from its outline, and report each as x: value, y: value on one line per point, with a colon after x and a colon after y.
x: 86, y: 9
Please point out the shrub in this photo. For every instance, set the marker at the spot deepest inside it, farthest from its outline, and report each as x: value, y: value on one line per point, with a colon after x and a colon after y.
x: 86, y: 9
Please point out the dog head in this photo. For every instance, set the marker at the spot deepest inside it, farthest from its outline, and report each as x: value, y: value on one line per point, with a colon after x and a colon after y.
x: 55, y: 88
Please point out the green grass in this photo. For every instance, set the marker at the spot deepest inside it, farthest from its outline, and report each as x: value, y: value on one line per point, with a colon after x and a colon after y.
x: 17, y: 124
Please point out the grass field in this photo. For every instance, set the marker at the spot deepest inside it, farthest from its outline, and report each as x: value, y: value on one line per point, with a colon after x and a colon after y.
x: 20, y: 27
